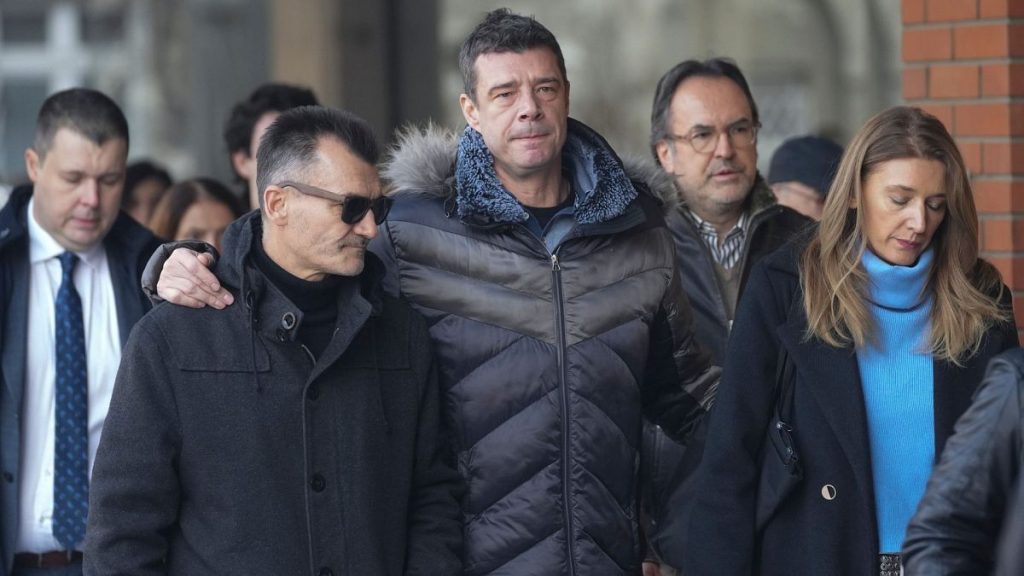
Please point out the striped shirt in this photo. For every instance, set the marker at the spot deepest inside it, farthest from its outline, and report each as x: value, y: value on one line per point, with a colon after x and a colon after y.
x: 726, y: 253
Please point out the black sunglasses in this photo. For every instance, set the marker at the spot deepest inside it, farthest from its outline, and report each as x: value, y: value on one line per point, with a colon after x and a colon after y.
x: 354, y: 207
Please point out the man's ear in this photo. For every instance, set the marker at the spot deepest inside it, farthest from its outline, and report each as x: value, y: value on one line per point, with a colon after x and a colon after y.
x: 243, y: 164
x: 32, y: 164
x: 470, y: 111
x: 663, y: 148
x: 275, y: 205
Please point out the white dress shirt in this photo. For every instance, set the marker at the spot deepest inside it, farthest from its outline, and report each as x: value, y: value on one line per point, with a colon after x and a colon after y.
x: 103, y: 353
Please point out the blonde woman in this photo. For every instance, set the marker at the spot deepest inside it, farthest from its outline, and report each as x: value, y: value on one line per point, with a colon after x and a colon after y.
x: 888, y: 318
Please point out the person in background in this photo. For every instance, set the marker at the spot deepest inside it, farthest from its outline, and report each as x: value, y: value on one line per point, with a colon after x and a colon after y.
x: 144, y: 185
x: 70, y: 263
x: 888, y: 318
x: 801, y: 172
x: 248, y: 121
x: 724, y: 219
x: 196, y: 209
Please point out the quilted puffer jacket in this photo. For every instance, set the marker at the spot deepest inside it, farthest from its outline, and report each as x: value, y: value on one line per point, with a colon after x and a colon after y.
x: 549, y: 347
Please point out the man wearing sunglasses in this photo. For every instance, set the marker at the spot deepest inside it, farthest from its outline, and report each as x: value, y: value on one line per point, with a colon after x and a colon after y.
x: 296, y: 431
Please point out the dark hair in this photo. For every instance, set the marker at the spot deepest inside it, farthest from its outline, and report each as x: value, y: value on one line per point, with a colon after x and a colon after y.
x: 88, y: 112
x: 711, y: 68
x: 137, y: 172
x: 290, y: 144
x: 270, y: 97
x: 180, y: 197
x: 503, y: 31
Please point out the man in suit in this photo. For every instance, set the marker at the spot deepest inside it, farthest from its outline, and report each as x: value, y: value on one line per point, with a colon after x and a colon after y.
x: 70, y: 263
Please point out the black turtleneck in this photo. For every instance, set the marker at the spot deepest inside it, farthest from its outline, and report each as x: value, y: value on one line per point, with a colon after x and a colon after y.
x: 318, y: 301
x: 544, y: 215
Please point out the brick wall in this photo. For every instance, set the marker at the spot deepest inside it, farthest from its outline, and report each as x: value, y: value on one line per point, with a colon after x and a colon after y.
x: 963, y: 60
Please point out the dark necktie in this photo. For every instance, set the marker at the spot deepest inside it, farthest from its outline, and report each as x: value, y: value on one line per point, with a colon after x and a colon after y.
x: 71, y: 444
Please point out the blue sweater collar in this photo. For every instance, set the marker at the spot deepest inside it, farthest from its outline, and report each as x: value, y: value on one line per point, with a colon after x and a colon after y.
x: 603, y: 191
x: 898, y: 287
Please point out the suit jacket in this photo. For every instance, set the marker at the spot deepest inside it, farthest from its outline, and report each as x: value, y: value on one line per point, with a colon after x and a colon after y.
x: 827, y: 525
x: 128, y: 246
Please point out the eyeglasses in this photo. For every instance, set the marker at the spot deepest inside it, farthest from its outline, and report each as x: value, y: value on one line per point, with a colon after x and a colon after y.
x: 703, y: 139
x: 354, y: 207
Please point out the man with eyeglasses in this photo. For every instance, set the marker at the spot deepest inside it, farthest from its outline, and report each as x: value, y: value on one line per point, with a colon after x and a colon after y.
x: 297, y: 431
x: 704, y: 125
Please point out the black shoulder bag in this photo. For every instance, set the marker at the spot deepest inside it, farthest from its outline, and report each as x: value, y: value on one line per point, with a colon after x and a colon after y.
x: 781, y: 471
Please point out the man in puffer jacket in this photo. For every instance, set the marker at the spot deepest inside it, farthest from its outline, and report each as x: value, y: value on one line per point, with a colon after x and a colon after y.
x: 547, y: 277
x: 969, y: 495
x: 548, y: 281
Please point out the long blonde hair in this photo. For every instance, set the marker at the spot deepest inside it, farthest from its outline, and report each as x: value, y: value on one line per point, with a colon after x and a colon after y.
x: 835, y: 283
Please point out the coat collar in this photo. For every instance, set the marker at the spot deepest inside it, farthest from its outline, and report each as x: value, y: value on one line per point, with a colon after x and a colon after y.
x: 276, y: 318
x: 602, y: 189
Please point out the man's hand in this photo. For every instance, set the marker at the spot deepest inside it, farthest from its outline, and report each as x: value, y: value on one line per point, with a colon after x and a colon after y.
x: 186, y: 280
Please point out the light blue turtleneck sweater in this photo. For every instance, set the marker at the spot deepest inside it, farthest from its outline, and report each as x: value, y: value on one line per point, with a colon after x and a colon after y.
x: 897, y: 376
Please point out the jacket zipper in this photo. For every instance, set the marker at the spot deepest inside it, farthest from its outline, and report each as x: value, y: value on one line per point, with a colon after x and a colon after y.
x: 556, y: 282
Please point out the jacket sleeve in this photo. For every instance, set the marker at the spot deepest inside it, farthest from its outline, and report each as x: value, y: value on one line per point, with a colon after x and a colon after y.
x: 155, y: 265
x: 719, y: 535
x: 958, y: 520
x: 134, y: 492
x: 680, y: 380
x: 435, y: 517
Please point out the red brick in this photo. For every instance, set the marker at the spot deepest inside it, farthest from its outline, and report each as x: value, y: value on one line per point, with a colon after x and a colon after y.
x: 943, y: 112
x: 998, y: 235
x: 1000, y: 8
x: 990, y: 119
x: 915, y: 83
x: 1003, y: 158
x: 997, y: 196
x: 981, y: 41
x: 1002, y: 79
x: 928, y: 44
x: 913, y: 11
x: 1016, y: 36
x: 952, y: 10
x: 971, y: 151
x: 953, y: 81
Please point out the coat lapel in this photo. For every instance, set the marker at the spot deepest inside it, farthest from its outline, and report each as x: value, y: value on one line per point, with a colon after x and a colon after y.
x: 833, y: 378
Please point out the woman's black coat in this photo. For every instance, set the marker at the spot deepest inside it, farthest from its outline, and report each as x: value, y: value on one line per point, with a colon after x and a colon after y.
x: 827, y: 525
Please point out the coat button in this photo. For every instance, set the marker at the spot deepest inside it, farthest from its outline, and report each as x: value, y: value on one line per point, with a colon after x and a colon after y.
x: 325, y: 572
x: 318, y: 483
x: 828, y: 492
x: 313, y: 392
x: 8, y: 477
x: 288, y: 321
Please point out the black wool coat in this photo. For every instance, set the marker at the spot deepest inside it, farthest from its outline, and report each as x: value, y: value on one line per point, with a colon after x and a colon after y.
x: 827, y: 525
x: 229, y: 449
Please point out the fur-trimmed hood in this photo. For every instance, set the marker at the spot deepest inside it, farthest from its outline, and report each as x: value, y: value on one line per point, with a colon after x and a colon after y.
x: 441, y: 162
